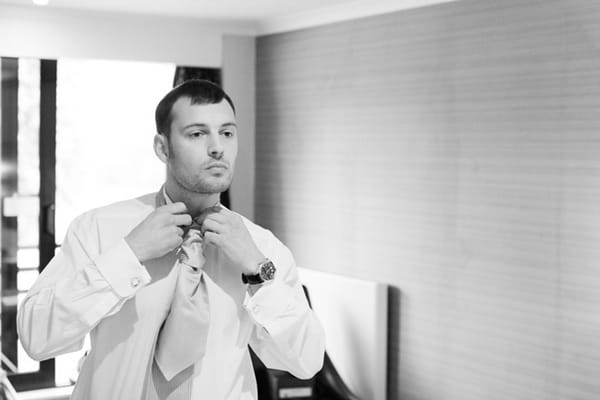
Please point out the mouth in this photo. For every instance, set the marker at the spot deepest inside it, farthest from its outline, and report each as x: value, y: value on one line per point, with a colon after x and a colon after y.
x: 217, y: 166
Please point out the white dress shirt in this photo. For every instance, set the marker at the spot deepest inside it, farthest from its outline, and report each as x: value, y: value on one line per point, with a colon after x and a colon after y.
x: 96, y: 285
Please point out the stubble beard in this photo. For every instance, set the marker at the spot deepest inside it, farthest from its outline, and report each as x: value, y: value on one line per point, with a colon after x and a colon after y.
x: 203, y: 186
x: 197, y: 185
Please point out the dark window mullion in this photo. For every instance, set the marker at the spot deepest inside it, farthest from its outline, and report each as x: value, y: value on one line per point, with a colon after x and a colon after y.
x: 45, y: 377
x: 10, y: 182
x: 47, y: 160
x: 47, y: 184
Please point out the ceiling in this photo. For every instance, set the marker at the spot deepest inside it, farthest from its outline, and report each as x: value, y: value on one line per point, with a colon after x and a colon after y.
x: 268, y: 15
x: 213, y: 9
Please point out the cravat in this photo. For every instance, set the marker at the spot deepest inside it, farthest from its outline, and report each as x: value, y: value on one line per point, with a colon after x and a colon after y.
x: 182, y: 338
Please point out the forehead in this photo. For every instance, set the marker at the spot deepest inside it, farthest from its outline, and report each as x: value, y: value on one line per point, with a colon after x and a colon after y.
x: 185, y: 113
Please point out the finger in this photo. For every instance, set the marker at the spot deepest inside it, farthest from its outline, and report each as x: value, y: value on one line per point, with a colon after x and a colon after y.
x: 223, y: 214
x: 212, y: 238
x: 182, y: 219
x: 212, y: 226
x: 217, y: 217
x: 174, y: 208
x: 176, y: 242
x: 178, y: 231
x: 222, y: 210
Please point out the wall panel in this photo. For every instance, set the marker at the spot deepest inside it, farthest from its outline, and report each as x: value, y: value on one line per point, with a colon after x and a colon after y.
x: 453, y: 153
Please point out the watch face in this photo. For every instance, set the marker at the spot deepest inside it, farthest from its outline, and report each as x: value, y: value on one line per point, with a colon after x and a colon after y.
x: 267, y: 271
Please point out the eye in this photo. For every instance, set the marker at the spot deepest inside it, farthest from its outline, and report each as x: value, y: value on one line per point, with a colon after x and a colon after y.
x: 227, y: 133
x: 197, y: 133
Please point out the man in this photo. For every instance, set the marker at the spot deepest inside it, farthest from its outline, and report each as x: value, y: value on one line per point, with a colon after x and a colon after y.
x: 172, y: 286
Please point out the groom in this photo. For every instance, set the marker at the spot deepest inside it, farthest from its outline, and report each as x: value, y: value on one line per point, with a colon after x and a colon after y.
x: 172, y: 287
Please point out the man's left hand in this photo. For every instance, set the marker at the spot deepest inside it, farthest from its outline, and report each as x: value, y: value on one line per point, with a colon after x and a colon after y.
x: 226, y: 230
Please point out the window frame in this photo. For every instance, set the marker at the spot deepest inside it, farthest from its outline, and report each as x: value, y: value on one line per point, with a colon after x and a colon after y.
x: 44, y: 377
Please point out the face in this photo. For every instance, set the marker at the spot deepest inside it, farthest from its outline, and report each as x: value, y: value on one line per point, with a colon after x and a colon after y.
x: 201, y: 149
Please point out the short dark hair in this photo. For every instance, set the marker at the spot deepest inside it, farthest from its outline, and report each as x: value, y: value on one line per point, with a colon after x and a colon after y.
x: 199, y: 91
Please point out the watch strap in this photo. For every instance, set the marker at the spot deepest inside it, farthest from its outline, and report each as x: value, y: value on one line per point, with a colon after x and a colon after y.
x: 266, y: 272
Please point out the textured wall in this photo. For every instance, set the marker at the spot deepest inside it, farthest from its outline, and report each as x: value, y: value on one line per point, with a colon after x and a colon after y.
x: 239, y: 62
x: 452, y: 152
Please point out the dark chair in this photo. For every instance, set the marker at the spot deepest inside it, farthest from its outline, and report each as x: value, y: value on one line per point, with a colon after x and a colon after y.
x: 327, y: 384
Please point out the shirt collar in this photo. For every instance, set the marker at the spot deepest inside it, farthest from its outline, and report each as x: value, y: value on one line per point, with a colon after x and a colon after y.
x: 166, y: 196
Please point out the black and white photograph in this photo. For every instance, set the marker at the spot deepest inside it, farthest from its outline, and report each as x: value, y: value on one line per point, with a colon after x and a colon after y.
x: 300, y: 200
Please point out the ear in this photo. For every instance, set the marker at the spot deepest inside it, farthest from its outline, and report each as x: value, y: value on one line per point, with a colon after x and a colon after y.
x: 161, y: 147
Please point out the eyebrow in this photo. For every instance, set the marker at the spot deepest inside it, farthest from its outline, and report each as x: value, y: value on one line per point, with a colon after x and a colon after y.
x: 195, y: 125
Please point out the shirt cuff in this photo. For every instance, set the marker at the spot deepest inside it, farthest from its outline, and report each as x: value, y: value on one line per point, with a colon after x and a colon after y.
x: 122, y: 270
x: 270, y: 303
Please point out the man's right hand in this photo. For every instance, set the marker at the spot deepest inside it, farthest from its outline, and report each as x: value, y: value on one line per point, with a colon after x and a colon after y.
x: 160, y: 232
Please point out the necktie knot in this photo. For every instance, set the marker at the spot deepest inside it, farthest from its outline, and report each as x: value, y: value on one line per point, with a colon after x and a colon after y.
x: 190, y: 251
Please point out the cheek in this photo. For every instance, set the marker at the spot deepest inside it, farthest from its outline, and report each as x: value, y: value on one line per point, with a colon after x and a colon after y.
x: 233, y: 150
x: 182, y: 161
x: 183, y: 154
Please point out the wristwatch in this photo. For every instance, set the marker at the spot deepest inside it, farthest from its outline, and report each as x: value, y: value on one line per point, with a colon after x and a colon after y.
x: 266, y: 272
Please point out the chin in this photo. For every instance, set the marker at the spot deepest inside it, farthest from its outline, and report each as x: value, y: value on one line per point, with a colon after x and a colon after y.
x: 212, y: 187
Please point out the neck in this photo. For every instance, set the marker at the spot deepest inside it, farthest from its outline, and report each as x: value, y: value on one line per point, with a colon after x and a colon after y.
x: 195, y: 202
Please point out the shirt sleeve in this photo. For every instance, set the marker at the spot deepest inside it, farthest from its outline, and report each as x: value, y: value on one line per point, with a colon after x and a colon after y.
x: 78, y: 288
x: 287, y: 334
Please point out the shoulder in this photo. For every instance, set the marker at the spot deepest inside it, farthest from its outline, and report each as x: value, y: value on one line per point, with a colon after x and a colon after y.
x: 266, y: 240
x: 117, y: 213
x: 257, y: 232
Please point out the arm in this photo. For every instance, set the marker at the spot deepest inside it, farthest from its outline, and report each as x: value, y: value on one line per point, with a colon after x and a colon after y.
x: 287, y: 335
x: 77, y: 289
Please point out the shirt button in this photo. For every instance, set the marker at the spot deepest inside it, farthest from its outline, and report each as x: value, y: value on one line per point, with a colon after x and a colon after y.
x: 256, y: 309
x: 135, y: 282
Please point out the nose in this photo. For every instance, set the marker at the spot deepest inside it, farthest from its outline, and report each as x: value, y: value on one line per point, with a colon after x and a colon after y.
x: 215, y: 147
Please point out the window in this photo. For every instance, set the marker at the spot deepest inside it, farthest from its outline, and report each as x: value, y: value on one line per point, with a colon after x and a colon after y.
x: 69, y: 128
